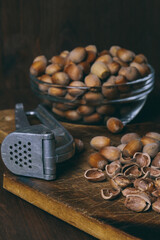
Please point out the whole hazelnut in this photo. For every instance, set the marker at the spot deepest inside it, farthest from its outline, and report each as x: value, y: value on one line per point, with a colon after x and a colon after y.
x: 105, y: 59
x: 37, y: 68
x: 79, y: 145
x: 93, y: 118
x: 100, y: 69
x: 91, y: 56
x: 121, y: 83
x: 72, y: 115
x: 130, y: 73
x: 60, y: 78
x: 146, y: 140
x: 111, y: 153
x: 99, y: 142
x: 41, y: 58
x: 152, y: 149
x: 140, y: 58
x: 109, y: 88
x: 114, y: 67
x: 125, y: 55
x: 53, y: 68
x: 74, y: 72
x: 56, y: 91
x: 92, y: 80
x: 128, y: 137
x: 143, y: 69
x: 132, y: 147
x: 154, y: 135
x: 114, y: 125
x: 64, y: 53
x: 93, y: 98
x: 106, y: 109
x: 74, y: 88
x: 45, y: 79
x: 104, y: 52
x: 58, y: 112
x: 92, y: 48
x: 123, y: 64
x: 58, y: 60
x: 113, y: 50
x: 77, y: 55
x: 85, y: 110
x: 96, y: 160
x: 85, y: 66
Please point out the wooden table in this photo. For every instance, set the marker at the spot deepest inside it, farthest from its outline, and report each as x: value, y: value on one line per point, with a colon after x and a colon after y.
x: 21, y: 220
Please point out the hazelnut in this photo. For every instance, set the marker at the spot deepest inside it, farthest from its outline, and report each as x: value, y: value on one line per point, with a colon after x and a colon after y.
x: 37, y: 68
x: 114, y: 125
x: 123, y: 64
x: 100, y: 69
x: 56, y: 91
x: 64, y: 53
x: 60, y: 78
x: 132, y: 147
x: 41, y: 58
x: 113, y: 50
x: 121, y: 83
x: 77, y: 55
x: 156, y: 161
x: 85, y: 110
x: 93, y: 118
x: 140, y: 58
x: 99, y: 142
x: 60, y: 106
x: 58, y: 112
x: 85, y: 66
x: 105, y: 59
x: 104, y: 52
x: 79, y: 145
x: 154, y: 135
x: 45, y: 79
x: 128, y: 137
x: 92, y: 48
x: 75, y: 88
x: 143, y: 69
x: 125, y: 55
x: 96, y: 160
x: 92, y: 80
x: 111, y: 153
x: 91, y: 56
x: 146, y: 140
x: 72, y: 115
x: 58, y: 60
x: 74, y: 72
x: 151, y: 149
x: 106, y: 109
x: 93, y: 98
x: 130, y: 73
x: 53, y: 68
x: 121, y: 146
x: 114, y: 67
x: 109, y: 88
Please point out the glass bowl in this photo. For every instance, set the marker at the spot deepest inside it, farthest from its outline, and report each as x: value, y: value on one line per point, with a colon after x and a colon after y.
x: 94, y: 105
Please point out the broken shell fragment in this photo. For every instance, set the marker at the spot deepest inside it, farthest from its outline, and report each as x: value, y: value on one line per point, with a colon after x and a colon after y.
x: 156, y: 193
x: 131, y: 171
x: 139, y: 202
x: 120, y: 181
x: 144, y: 184
x: 157, y: 183
x: 142, y: 159
x: 113, y: 168
x: 126, y: 160
x: 151, y: 172
x: 156, y: 161
x: 94, y: 175
x: 110, y: 193
x: 156, y: 205
x: 130, y: 190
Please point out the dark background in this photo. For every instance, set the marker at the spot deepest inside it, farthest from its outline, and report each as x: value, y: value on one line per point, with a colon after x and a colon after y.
x: 31, y: 28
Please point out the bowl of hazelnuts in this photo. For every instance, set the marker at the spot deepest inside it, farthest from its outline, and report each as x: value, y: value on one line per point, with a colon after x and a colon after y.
x: 87, y: 86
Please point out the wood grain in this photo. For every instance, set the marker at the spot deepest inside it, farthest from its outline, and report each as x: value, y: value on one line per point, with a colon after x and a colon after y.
x: 77, y: 201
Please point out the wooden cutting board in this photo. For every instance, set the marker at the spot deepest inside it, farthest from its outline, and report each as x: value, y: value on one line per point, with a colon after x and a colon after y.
x: 75, y: 200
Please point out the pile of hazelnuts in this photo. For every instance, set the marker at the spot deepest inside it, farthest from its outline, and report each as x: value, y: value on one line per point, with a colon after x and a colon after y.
x: 86, y: 80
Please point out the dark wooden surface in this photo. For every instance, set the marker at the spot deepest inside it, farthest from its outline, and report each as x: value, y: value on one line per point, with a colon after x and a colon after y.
x: 76, y: 195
